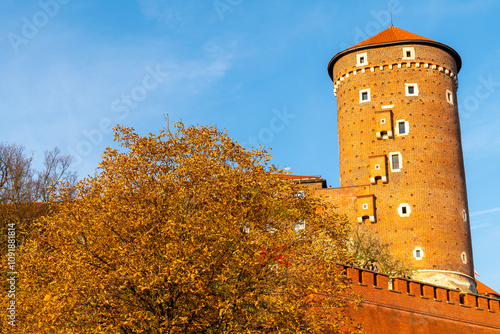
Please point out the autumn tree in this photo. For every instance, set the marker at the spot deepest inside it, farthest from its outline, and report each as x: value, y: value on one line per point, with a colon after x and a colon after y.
x: 185, y: 232
x: 23, y: 189
x: 367, y: 251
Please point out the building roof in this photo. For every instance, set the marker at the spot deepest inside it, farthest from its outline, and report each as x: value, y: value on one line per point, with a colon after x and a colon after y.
x: 304, y: 179
x: 393, y: 36
x: 299, y: 177
x: 483, y: 289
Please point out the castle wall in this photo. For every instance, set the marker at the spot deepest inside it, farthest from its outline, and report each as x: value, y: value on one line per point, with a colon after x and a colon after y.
x: 394, y: 305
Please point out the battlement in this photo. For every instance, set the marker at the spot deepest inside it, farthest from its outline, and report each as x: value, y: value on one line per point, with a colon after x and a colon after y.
x: 396, y: 302
x: 396, y: 65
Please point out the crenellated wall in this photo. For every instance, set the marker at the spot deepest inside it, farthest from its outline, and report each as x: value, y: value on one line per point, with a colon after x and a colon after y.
x: 396, y: 305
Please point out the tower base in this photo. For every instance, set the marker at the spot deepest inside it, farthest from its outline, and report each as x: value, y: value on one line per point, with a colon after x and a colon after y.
x: 447, y: 279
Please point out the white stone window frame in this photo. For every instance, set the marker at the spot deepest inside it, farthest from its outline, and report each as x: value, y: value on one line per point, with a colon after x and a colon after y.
x: 418, y: 253
x: 377, y: 166
x: 400, y: 209
x: 405, y: 52
x: 415, y: 89
x: 464, y: 215
x: 449, y: 96
x: 382, y: 121
x: 361, y: 95
x: 362, y: 59
x: 365, y: 206
x: 400, y: 161
x: 407, y: 127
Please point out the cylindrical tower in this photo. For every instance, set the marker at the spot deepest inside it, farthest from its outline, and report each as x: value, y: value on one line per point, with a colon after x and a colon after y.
x: 399, y: 133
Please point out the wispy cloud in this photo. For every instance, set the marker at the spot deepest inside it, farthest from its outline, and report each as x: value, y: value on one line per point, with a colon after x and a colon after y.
x: 477, y: 213
x: 481, y: 136
x: 174, y: 15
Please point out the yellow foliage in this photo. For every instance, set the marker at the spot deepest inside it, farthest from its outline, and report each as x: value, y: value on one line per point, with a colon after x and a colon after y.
x: 184, y: 232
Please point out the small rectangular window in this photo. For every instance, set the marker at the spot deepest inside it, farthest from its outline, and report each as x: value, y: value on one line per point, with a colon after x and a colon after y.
x: 382, y: 121
x: 365, y: 206
x: 364, y: 95
x: 411, y: 89
x: 377, y: 167
x: 395, y: 161
x: 409, y: 53
x: 403, y: 210
x: 361, y: 59
x: 402, y: 127
x: 417, y: 253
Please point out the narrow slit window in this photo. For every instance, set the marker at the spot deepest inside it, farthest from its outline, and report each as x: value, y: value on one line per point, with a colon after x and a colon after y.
x: 449, y: 96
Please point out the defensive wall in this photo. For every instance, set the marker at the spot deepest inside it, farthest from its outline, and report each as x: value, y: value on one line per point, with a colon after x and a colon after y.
x: 397, y: 305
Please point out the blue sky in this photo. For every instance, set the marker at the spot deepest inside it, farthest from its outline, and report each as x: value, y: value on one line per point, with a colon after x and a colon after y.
x: 70, y: 70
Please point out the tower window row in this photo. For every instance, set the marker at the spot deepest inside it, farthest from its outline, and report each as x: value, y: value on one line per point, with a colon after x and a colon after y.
x: 411, y: 89
x: 362, y: 58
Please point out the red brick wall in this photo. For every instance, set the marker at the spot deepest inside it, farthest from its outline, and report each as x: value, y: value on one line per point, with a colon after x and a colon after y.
x: 414, y: 307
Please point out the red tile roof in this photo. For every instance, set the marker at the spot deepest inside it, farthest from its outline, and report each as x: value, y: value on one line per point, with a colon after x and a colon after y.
x: 392, y: 34
x: 482, y: 289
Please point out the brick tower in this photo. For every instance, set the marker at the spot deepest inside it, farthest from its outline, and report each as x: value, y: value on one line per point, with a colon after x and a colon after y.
x: 400, y: 146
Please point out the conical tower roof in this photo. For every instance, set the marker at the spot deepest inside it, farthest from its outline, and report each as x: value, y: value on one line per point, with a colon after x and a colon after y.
x: 393, y: 36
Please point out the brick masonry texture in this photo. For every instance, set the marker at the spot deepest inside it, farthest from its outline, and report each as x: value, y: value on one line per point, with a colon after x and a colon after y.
x: 394, y: 305
x: 432, y: 179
